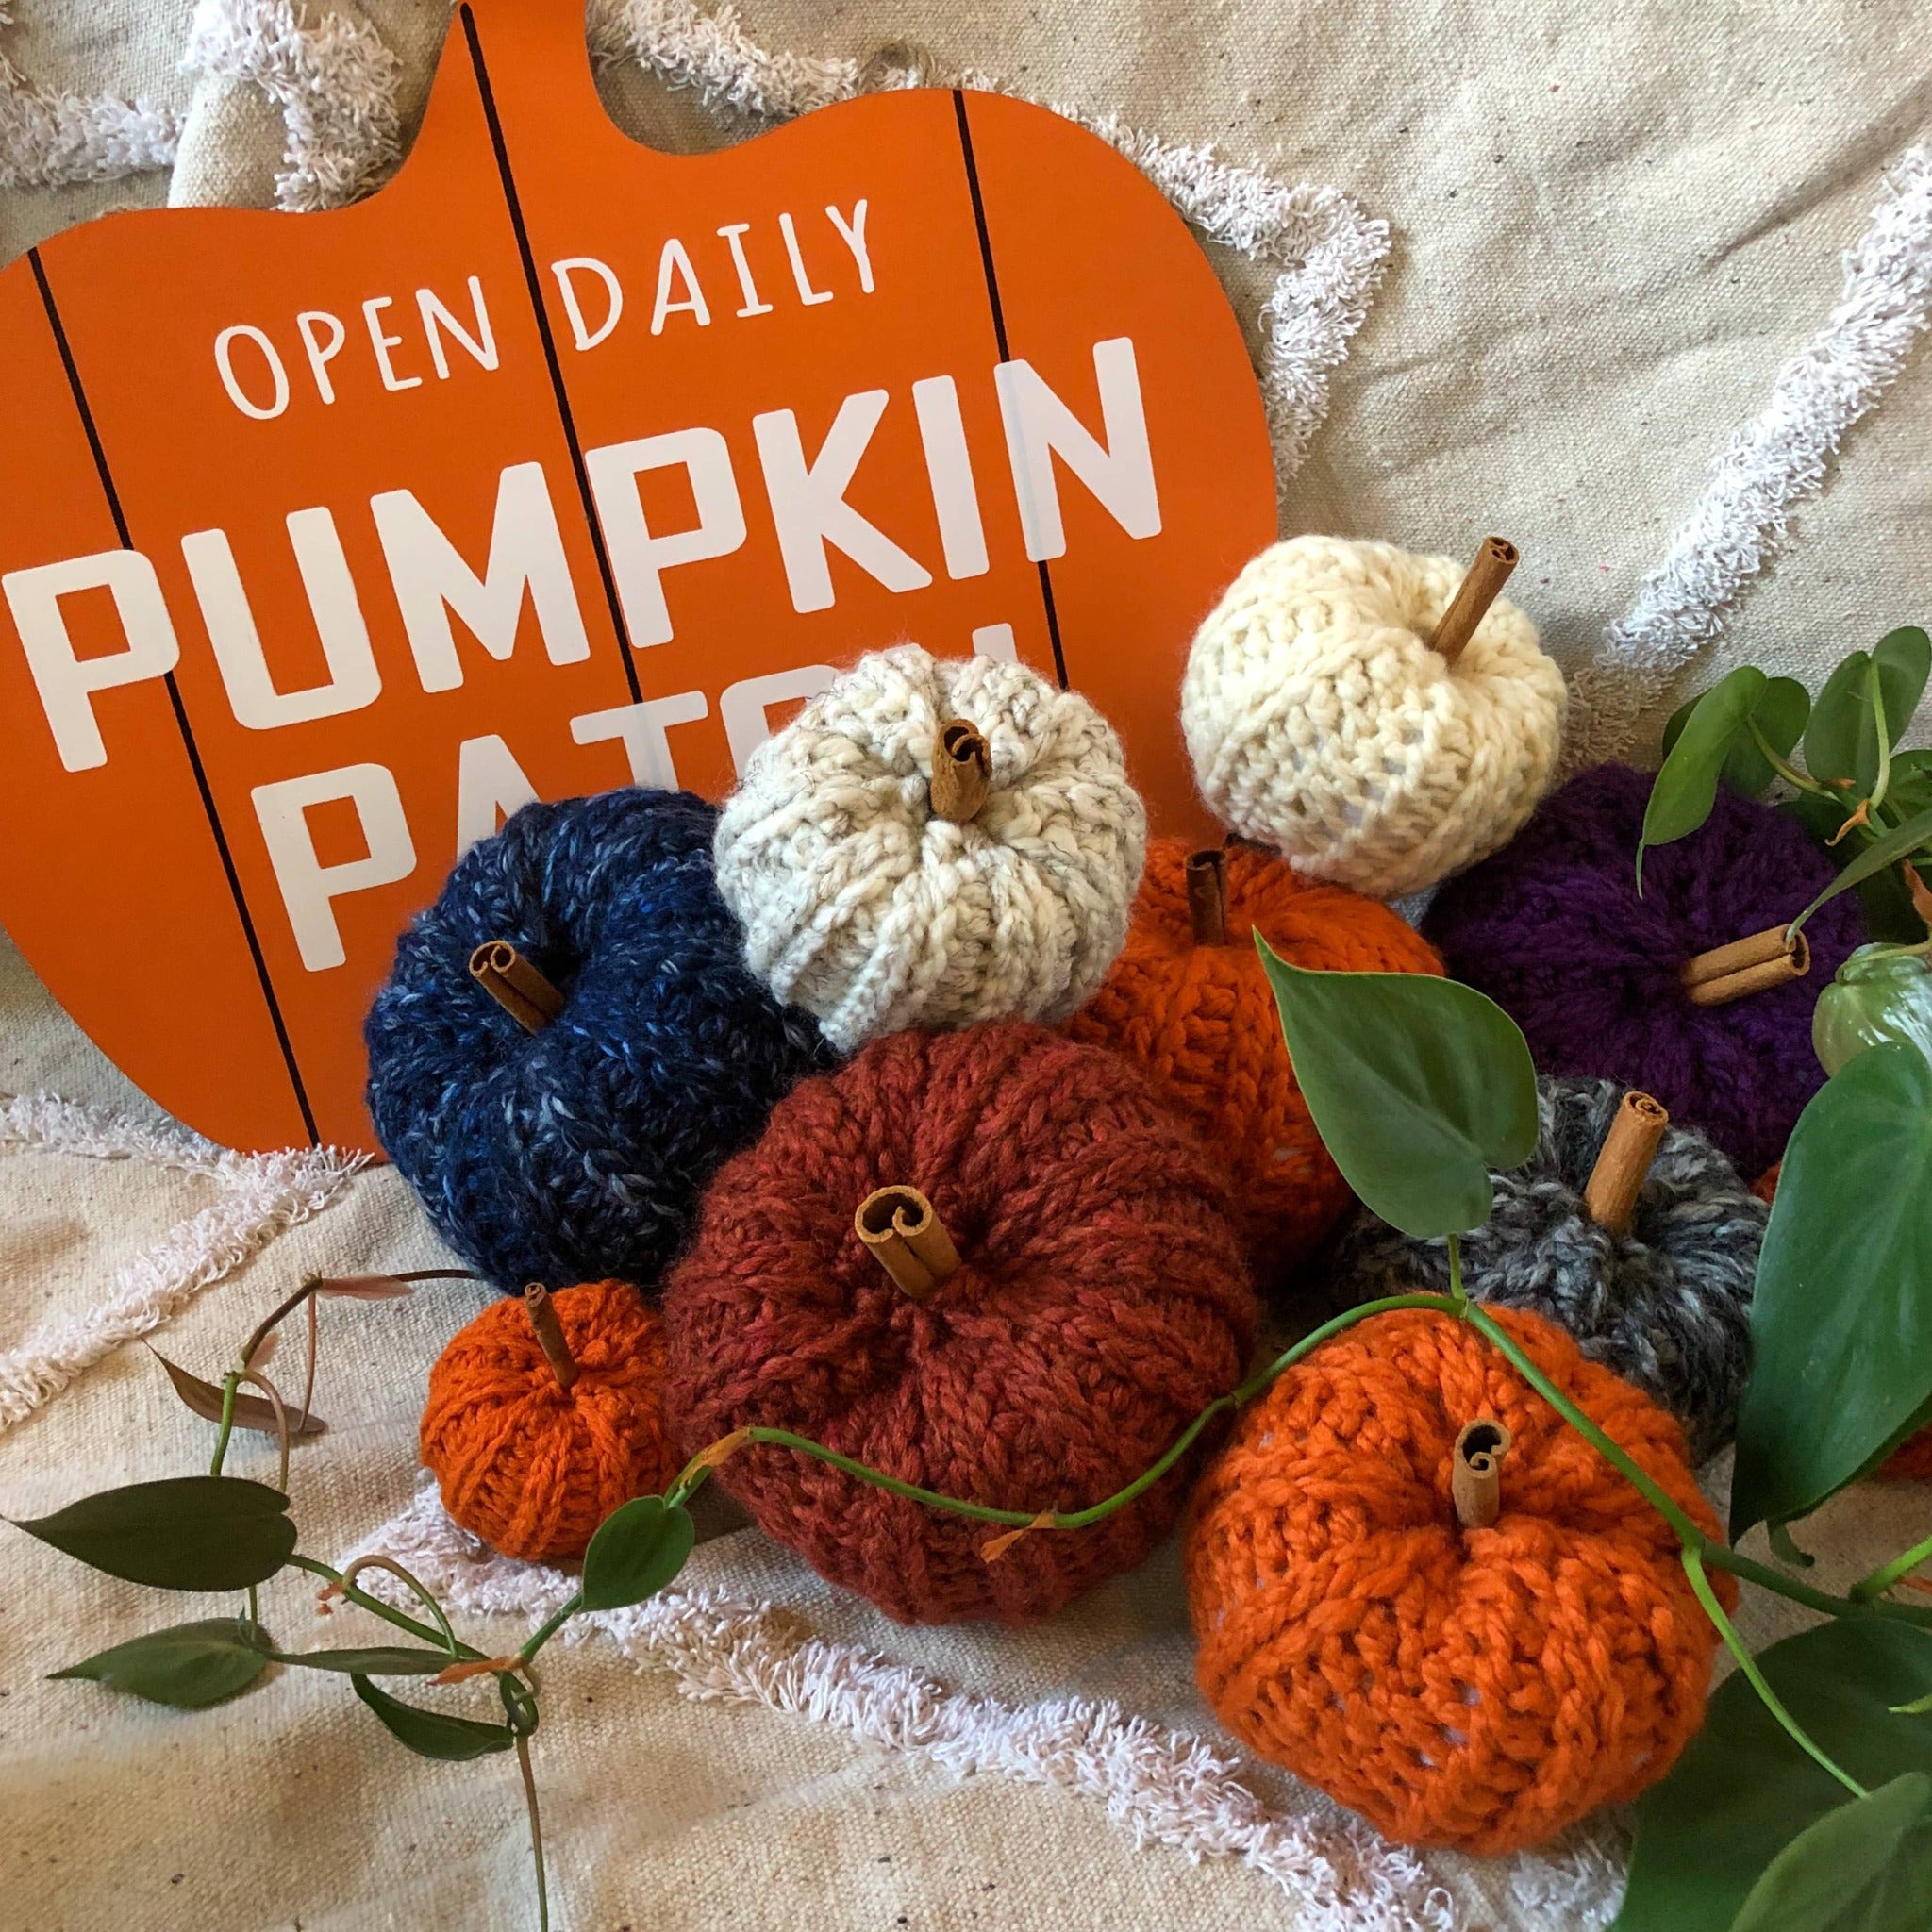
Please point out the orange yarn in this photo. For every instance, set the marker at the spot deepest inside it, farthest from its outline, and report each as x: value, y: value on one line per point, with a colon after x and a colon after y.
x: 533, y: 1469
x: 1911, y: 1461
x: 1480, y: 1689
x: 1202, y: 1020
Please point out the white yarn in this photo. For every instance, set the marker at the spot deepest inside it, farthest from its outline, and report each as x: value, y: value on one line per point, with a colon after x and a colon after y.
x: 51, y: 140
x: 862, y: 906
x: 335, y: 82
x: 1321, y: 723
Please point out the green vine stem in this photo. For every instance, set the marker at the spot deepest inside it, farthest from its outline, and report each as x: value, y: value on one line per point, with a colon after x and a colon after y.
x: 536, y: 1831
x: 1710, y: 1550
x: 1783, y: 767
x: 388, y: 1612
x: 551, y: 1625
x: 230, y: 1383
x: 1693, y: 1569
x: 1874, y: 1586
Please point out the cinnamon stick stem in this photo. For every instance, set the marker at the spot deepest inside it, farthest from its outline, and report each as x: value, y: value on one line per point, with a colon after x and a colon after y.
x: 542, y: 1314
x: 962, y: 771
x: 906, y: 1239
x: 1774, y: 957
x: 1207, y: 876
x: 1494, y: 560
x: 1609, y: 1196
x: 515, y: 985
x: 1475, y: 1471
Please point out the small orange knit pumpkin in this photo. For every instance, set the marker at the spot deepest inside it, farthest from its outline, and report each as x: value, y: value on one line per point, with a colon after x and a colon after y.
x: 533, y: 1467
x: 1481, y: 1688
x: 1911, y: 1461
x: 1202, y: 1019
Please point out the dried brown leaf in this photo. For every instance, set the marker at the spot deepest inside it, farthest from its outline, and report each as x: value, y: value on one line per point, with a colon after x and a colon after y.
x: 364, y: 1288
x: 995, y: 1547
x: 251, y: 1411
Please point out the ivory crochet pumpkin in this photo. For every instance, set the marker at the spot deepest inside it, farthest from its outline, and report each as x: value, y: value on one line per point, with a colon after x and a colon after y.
x: 1197, y: 1012
x: 1480, y: 1687
x: 876, y: 904
x: 529, y: 1465
x: 1098, y: 1303
x: 1321, y: 723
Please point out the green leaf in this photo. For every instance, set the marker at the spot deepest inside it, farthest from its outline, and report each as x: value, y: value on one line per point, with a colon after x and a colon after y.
x: 1842, y: 1313
x: 1877, y: 995
x: 636, y: 1552
x: 1882, y: 852
x: 189, y: 1532
x: 381, y: 1660
x: 1742, y: 1790
x: 1779, y: 716
x: 1866, y: 1867
x: 187, y: 1667
x: 430, y: 1733
x: 1685, y: 788
x: 1418, y: 1087
x: 1831, y: 738
x: 1899, y: 664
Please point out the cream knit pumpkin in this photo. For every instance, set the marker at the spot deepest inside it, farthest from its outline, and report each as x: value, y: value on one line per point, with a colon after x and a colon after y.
x: 1321, y: 723
x: 865, y: 907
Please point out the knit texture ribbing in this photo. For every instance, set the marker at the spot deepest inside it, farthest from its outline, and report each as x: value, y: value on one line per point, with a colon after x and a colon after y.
x: 1322, y: 723
x: 1667, y: 1307
x: 865, y: 907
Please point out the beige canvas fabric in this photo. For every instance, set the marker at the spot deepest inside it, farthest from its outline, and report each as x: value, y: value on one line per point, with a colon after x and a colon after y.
x: 1611, y: 228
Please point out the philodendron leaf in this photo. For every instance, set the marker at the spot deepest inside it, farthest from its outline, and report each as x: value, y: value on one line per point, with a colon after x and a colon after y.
x: 1841, y: 1312
x: 1743, y: 1791
x: 188, y: 1667
x: 1900, y: 661
x: 1685, y: 788
x: 1418, y: 1087
x: 379, y: 1660
x: 1831, y: 738
x: 431, y: 1733
x: 250, y: 1411
x: 187, y: 1532
x: 1898, y: 843
x: 1866, y: 1867
x: 637, y: 1551
x: 1778, y: 716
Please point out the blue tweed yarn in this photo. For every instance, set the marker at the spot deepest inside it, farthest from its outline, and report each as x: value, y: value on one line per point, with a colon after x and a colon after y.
x: 580, y: 1153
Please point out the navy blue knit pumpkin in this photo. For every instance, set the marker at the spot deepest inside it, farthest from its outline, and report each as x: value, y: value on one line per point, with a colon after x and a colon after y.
x: 578, y: 1153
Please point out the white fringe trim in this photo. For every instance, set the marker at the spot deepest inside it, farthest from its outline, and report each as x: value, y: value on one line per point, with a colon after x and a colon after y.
x: 54, y: 140
x: 336, y: 84
x: 1774, y: 463
x: 1163, y: 1787
x: 1331, y: 255
x: 263, y: 1194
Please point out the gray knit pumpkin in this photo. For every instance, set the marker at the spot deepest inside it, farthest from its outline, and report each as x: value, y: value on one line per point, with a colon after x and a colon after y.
x: 1667, y: 1307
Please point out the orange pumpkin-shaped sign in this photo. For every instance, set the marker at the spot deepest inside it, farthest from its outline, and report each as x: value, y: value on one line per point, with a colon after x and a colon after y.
x: 558, y: 465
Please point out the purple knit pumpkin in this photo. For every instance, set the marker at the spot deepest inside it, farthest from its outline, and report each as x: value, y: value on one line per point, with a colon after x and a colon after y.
x: 1552, y: 929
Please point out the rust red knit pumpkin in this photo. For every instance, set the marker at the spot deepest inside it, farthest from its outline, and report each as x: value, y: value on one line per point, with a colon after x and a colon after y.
x: 533, y: 1467
x: 1481, y: 1688
x: 1101, y: 1302
x: 1202, y: 1020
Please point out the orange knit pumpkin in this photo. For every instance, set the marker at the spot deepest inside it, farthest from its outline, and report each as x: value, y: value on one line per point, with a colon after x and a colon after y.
x: 1911, y: 1461
x: 533, y: 1467
x: 1202, y: 1020
x: 1480, y: 1689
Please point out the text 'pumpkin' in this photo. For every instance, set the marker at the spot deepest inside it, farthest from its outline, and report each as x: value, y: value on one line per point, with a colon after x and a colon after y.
x: 558, y: 465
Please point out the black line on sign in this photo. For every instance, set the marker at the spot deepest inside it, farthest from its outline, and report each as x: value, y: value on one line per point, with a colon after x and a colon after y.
x: 999, y: 333
x: 193, y: 749
x: 563, y: 410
